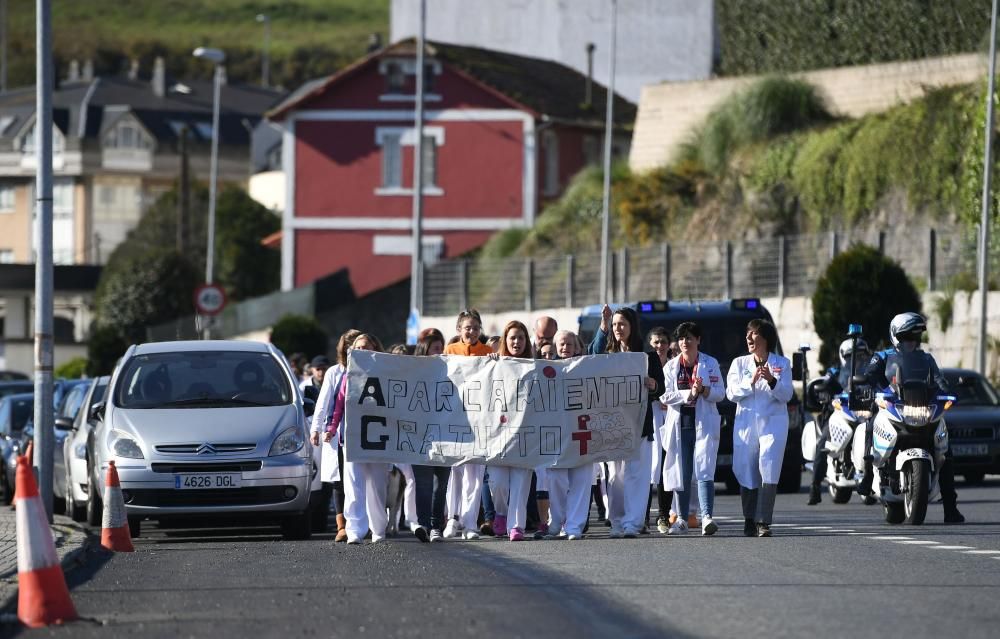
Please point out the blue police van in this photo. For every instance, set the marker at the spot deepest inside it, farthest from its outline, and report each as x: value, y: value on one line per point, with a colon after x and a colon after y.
x: 723, y: 325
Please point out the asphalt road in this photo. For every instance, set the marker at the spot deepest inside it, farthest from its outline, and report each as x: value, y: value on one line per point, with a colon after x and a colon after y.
x: 829, y: 571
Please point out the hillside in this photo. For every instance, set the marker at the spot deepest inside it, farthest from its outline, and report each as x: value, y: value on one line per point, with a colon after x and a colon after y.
x: 309, y: 38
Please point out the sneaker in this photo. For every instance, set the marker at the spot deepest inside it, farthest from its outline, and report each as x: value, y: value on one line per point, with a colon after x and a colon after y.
x: 436, y: 535
x: 572, y: 537
x: 630, y: 533
x: 452, y: 529
x: 680, y: 527
x: 662, y: 525
x: 486, y: 530
x: 542, y: 532
x: 749, y: 527
x: 421, y: 533
x: 763, y: 530
x: 708, y: 526
x: 471, y: 535
x: 377, y: 539
x: 354, y: 540
x: 616, y: 532
x: 516, y: 534
x: 414, y: 526
x: 500, y: 525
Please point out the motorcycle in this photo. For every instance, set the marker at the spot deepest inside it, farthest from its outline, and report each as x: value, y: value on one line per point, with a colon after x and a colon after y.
x: 909, y: 441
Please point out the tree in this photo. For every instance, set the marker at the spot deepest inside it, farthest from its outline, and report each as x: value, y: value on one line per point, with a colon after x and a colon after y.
x: 72, y: 369
x: 145, y: 290
x: 104, y: 348
x: 860, y: 286
x: 300, y: 334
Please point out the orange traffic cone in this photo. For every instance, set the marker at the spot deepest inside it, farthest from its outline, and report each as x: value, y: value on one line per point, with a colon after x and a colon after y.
x: 42, y: 597
x: 114, y: 525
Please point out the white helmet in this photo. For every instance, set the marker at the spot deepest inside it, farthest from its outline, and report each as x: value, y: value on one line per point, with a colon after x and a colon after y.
x: 845, y: 349
x: 906, y: 323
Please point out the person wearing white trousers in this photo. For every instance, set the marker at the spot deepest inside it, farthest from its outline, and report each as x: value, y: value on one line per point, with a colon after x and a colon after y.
x: 365, y: 483
x: 628, y: 480
x: 409, y: 496
x: 465, y: 490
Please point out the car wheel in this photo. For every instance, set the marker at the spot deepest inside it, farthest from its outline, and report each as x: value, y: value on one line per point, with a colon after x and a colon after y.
x: 95, y: 507
x: 297, y: 526
x: 74, y: 510
x: 6, y: 490
x: 134, y: 527
x: 974, y: 477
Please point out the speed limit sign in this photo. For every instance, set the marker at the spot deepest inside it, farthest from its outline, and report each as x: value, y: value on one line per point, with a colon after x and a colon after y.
x: 209, y: 299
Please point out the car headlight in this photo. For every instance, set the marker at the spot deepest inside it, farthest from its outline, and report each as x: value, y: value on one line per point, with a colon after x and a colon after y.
x: 290, y: 440
x: 124, y: 446
x: 80, y: 451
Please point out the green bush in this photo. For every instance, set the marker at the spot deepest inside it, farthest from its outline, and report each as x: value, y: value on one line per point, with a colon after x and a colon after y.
x: 72, y: 369
x: 860, y: 286
x: 300, y: 334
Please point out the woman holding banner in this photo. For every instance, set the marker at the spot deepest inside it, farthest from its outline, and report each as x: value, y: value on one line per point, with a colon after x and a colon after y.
x: 365, y: 483
x: 628, y: 481
x: 466, y: 485
x: 690, y: 431
x: 430, y: 497
x: 509, y: 485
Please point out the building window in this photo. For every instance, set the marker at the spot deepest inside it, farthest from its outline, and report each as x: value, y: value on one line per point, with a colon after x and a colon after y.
x: 6, y: 256
x: 591, y: 150
x: 550, y: 148
x: 7, y: 198
x: 395, y: 78
x: 392, y: 161
x: 428, y: 168
x: 28, y: 141
x: 127, y: 135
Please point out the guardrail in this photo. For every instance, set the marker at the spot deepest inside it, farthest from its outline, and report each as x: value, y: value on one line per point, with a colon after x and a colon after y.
x: 773, y: 267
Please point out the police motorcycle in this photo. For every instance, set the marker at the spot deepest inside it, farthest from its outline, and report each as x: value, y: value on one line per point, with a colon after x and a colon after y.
x: 844, y: 413
x: 909, y: 440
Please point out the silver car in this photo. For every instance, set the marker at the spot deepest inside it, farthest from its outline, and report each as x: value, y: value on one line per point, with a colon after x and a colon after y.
x: 205, y: 427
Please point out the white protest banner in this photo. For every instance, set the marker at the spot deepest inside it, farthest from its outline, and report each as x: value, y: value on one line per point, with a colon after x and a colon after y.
x: 448, y: 410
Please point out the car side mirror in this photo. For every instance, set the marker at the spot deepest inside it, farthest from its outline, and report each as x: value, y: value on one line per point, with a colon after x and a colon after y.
x: 308, y: 406
x: 63, y: 423
x: 798, y: 365
x: 97, y: 411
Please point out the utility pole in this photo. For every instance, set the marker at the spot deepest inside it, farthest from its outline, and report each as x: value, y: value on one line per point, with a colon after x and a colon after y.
x: 265, y: 58
x: 608, y: 123
x: 416, y: 274
x: 44, y: 439
x: 3, y: 46
x: 984, y: 221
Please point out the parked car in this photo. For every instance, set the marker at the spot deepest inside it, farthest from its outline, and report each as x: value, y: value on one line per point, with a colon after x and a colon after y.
x: 15, y: 413
x: 205, y: 428
x: 723, y: 326
x: 74, y: 478
x: 17, y: 386
x: 10, y: 376
x: 973, y: 424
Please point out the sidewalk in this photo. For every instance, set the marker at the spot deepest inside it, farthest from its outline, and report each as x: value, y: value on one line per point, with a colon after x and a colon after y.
x: 70, y: 538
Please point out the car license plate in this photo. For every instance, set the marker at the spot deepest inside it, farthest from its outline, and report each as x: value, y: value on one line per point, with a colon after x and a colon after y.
x: 207, y: 480
x: 970, y: 450
x: 724, y: 460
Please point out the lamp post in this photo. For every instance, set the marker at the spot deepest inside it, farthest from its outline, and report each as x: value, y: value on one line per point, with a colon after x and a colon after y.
x: 265, y: 58
x: 216, y: 57
x: 606, y: 199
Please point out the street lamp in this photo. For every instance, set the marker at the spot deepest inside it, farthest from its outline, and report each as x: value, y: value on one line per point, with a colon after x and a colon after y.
x: 265, y: 61
x: 216, y: 57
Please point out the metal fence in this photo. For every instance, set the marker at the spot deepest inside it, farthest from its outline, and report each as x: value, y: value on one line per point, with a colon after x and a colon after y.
x: 774, y: 267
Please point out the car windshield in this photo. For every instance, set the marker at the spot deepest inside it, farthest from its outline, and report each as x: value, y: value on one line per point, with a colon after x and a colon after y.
x: 202, y: 379
x: 72, y: 401
x: 971, y: 390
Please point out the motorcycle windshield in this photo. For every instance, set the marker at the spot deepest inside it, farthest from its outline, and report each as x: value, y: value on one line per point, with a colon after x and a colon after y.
x: 911, y: 377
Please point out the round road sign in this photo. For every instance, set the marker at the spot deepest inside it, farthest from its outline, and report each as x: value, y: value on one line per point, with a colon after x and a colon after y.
x: 209, y: 299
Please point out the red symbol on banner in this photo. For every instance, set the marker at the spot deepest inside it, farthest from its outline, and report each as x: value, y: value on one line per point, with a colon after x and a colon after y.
x: 582, y: 435
x: 503, y: 419
x: 549, y: 372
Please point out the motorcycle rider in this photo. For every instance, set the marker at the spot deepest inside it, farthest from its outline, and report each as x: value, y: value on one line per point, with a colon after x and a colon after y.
x: 834, y: 382
x: 905, y: 332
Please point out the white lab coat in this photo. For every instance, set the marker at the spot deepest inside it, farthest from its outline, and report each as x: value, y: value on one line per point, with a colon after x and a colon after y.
x: 707, y: 422
x: 326, y: 457
x: 761, y: 425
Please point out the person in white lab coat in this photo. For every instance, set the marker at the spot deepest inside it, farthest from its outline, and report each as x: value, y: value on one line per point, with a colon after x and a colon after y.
x: 690, y: 431
x: 761, y: 385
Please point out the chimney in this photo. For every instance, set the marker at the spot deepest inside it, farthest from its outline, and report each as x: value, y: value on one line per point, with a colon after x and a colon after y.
x: 88, y: 70
x: 74, y: 71
x: 159, y: 77
x: 133, y: 70
x: 588, y: 96
x: 374, y: 42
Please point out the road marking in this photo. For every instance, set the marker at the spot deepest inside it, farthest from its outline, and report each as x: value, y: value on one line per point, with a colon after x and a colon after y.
x: 847, y: 530
x: 860, y: 533
x: 892, y: 538
x: 813, y: 527
x: 982, y: 552
x: 782, y: 525
x: 921, y: 542
x: 952, y: 547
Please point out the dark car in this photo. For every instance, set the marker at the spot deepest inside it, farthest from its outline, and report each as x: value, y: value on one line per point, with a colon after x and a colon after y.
x: 15, y: 413
x: 17, y: 386
x: 973, y: 424
x: 723, y: 327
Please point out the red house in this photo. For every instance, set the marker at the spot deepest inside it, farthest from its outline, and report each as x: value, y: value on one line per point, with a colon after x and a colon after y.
x: 503, y: 134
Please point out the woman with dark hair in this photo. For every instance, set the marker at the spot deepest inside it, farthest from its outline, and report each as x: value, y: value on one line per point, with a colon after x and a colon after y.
x: 431, y: 482
x: 760, y: 384
x: 628, y: 481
